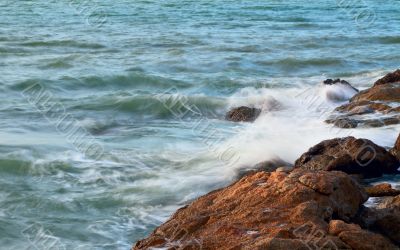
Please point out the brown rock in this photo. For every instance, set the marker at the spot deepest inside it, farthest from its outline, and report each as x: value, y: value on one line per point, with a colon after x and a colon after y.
x: 384, y: 189
x: 338, y: 226
x: 243, y: 114
x: 384, y: 92
x: 365, y: 240
x: 267, y: 211
x: 389, y: 78
x: 350, y: 155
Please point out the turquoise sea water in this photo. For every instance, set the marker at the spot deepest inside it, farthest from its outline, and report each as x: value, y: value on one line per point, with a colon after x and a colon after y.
x: 148, y: 83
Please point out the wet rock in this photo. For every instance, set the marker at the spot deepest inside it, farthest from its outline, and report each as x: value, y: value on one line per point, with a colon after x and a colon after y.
x: 275, y: 210
x: 243, y: 114
x: 338, y: 82
x: 384, y: 189
x: 350, y: 155
x: 266, y: 166
x: 339, y: 90
x: 344, y: 123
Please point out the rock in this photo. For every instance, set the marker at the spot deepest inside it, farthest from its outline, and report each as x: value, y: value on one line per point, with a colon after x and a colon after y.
x: 345, y: 123
x: 384, y: 189
x: 338, y: 81
x: 350, y: 155
x: 338, y: 90
x: 266, y: 166
x: 378, y: 99
x: 389, y: 78
x: 384, y: 219
x: 243, y: 114
x: 275, y: 210
x: 396, y: 149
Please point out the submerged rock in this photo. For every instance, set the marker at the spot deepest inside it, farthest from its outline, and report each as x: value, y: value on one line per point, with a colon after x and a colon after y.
x: 378, y: 99
x: 275, y: 210
x: 338, y: 81
x: 339, y: 90
x: 243, y: 114
x: 350, y: 155
x: 384, y: 189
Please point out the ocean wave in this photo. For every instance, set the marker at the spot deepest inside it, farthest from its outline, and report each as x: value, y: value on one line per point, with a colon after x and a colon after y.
x: 63, y: 43
x: 300, y: 62
x: 389, y: 39
x: 114, y: 82
x: 154, y: 105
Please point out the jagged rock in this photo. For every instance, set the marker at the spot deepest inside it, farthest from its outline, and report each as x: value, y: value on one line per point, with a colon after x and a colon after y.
x: 339, y: 90
x: 275, y: 210
x: 338, y: 81
x: 350, y: 155
x: 383, y: 189
x: 243, y: 114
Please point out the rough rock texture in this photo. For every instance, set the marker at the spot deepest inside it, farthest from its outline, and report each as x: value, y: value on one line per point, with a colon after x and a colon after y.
x: 380, y: 99
x: 303, y: 209
x: 243, y: 114
x: 350, y: 155
x: 384, y: 189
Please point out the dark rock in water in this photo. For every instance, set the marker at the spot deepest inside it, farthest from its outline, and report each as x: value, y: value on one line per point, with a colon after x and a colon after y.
x: 344, y: 123
x: 338, y: 81
x: 389, y: 78
x: 384, y: 189
x: 303, y: 209
x: 266, y: 166
x: 350, y: 155
x: 243, y: 114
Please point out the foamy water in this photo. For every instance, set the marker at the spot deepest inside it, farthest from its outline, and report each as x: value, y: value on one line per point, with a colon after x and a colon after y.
x: 151, y: 84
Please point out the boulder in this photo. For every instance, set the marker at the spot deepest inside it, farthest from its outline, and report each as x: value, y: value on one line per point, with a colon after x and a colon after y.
x: 383, y: 189
x: 350, y: 155
x: 275, y: 210
x: 243, y: 114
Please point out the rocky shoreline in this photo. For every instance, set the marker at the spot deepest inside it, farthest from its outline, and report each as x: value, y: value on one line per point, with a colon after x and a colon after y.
x: 319, y: 203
